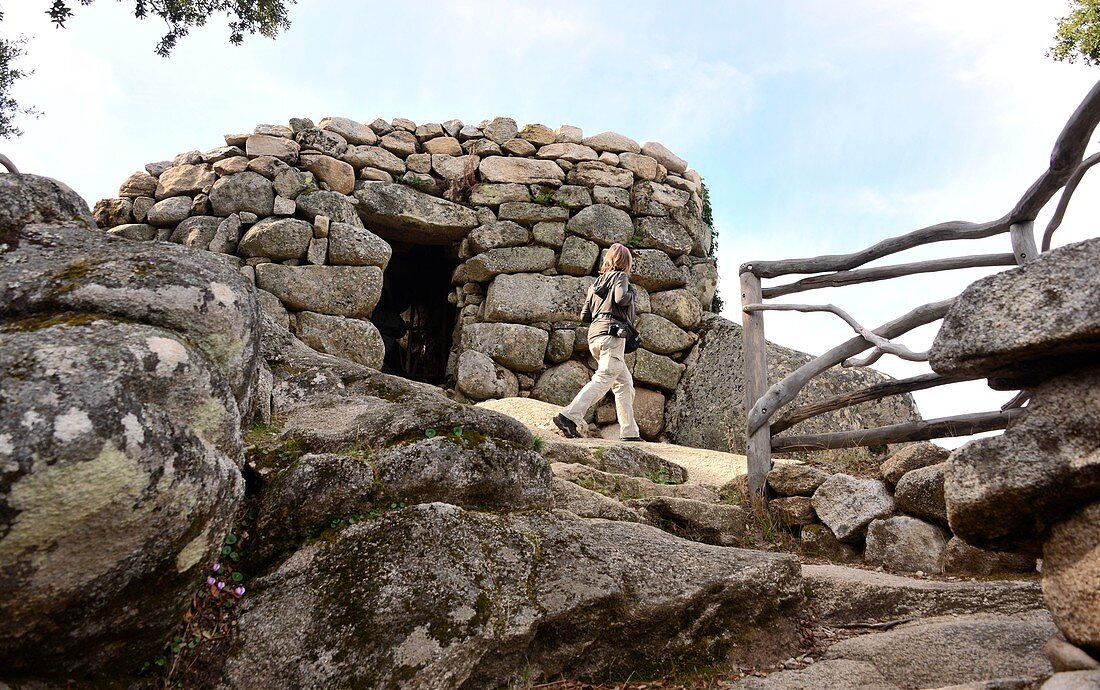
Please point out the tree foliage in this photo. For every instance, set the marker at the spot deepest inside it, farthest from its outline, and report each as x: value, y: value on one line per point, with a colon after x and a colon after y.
x: 1078, y: 34
x: 245, y: 17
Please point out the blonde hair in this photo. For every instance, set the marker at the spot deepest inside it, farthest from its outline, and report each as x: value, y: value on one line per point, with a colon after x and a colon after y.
x: 618, y: 258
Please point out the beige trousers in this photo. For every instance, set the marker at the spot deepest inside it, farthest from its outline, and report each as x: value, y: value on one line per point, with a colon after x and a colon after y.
x: 612, y: 374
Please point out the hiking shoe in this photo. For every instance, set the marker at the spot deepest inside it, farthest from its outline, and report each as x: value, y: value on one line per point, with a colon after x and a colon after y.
x: 567, y: 426
x: 631, y: 438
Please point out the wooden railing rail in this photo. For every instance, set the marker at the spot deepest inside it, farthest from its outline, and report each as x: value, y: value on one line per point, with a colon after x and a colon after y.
x: 1066, y: 169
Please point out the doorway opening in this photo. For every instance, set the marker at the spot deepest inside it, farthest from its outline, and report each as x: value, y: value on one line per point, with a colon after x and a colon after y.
x: 413, y: 315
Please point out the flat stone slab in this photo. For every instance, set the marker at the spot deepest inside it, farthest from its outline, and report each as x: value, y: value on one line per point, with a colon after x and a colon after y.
x: 843, y: 595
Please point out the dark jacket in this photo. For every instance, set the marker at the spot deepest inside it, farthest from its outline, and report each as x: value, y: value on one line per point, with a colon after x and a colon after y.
x: 598, y: 310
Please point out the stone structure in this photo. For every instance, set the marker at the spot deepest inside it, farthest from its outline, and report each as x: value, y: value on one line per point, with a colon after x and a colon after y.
x: 450, y: 253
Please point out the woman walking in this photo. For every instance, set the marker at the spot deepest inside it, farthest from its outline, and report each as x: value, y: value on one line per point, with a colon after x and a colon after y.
x: 607, y: 313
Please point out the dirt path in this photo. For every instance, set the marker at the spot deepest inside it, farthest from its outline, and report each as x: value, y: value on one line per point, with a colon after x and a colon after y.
x: 706, y: 467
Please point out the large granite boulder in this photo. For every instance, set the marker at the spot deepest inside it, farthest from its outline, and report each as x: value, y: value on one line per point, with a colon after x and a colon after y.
x: 1004, y: 492
x: 603, y: 224
x: 518, y: 347
x: 1021, y: 326
x: 336, y: 290
x: 349, y: 245
x: 336, y: 206
x: 905, y: 544
x: 912, y: 457
x: 398, y: 212
x: 920, y: 493
x: 433, y: 596
x: 1071, y: 577
x: 480, y: 378
x: 357, y: 340
x: 484, y: 266
x: 246, y: 191
x: 527, y: 298
x: 714, y: 381
x: 560, y: 384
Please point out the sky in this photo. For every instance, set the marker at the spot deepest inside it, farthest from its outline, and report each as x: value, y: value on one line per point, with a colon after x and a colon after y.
x: 819, y: 126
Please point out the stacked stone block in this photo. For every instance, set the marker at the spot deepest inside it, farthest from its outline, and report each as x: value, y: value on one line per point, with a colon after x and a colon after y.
x: 310, y: 212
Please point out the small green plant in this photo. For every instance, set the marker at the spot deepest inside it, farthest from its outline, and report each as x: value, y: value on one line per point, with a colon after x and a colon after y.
x: 660, y: 476
x: 599, y: 452
x: 544, y: 197
x: 636, y: 242
x: 537, y: 444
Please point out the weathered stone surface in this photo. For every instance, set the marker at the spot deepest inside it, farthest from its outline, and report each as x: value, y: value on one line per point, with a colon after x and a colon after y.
x: 282, y: 148
x: 479, y: 378
x: 656, y: 370
x: 603, y: 224
x: 521, y: 170
x: 593, y: 173
x: 518, y: 147
x: 835, y: 674
x: 496, y: 194
x: 247, y: 192
x: 138, y: 184
x: 663, y: 156
x: 796, y: 479
x: 591, y: 504
x: 664, y: 234
x: 710, y: 523
x: 848, y: 504
x: 843, y: 595
x: 1002, y: 492
x: 352, y: 131
x: 654, y: 271
x: 549, y: 234
x: 268, y: 166
x: 111, y: 212
x: 334, y: 205
x: 613, y: 142
x: 572, y: 196
x: 290, y: 183
x: 517, y: 347
x: 962, y: 558
x: 661, y: 335
x: 528, y: 298
x: 578, y: 256
x: 273, y: 131
x: 395, y: 613
x: 196, y: 232
x: 120, y: 445
x: 539, y: 135
x: 313, y: 140
x: 134, y: 231
x: 353, y: 339
x: 526, y: 212
x: 169, y: 211
x: 920, y: 493
x: 500, y: 129
x: 560, y: 384
x: 574, y: 153
x: 458, y: 168
x: 496, y: 235
x: 1073, y: 680
x: 336, y: 290
x: 338, y: 175
x: 396, y: 212
x: 649, y: 412
x: 678, y: 306
x: 912, y: 457
x: 481, y: 148
x: 612, y: 196
x: 905, y: 544
x: 644, y: 167
x: 142, y: 204
x: 184, y: 179
x: 792, y: 511
x: 623, y: 487
x: 656, y: 199
x: 819, y: 540
x: 509, y: 260
x: 373, y: 157
x: 1071, y: 577
x: 560, y: 347
x: 969, y: 648
x: 352, y: 246
x: 26, y: 199
x: 277, y: 239
x: 713, y: 381
x: 1021, y: 326
x: 400, y: 142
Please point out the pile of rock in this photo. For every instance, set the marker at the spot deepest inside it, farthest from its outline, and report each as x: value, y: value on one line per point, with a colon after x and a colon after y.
x: 1037, y: 328
x: 898, y: 521
x: 314, y: 212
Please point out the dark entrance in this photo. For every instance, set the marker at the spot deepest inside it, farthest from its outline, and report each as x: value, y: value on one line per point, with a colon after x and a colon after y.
x: 413, y: 315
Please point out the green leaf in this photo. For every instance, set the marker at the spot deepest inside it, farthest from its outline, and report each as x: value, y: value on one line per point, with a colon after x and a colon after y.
x: 231, y: 539
x: 226, y: 550
x: 458, y: 431
x: 160, y: 661
x: 235, y: 556
x: 237, y: 577
x: 430, y: 433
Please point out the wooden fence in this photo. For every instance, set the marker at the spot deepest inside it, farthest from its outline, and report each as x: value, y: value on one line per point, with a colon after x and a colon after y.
x: 763, y: 403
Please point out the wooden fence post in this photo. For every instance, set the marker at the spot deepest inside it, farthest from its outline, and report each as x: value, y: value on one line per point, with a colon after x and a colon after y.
x: 753, y: 350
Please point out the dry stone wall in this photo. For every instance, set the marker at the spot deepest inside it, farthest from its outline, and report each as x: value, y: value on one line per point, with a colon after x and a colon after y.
x: 313, y: 214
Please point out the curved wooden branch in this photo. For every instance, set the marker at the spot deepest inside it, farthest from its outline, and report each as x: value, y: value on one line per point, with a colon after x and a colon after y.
x: 868, y: 275
x: 961, y: 425
x: 854, y: 363
x: 879, y: 342
x: 785, y: 391
x: 1018, y: 400
x: 876, y: 392
x: 1065, y: 158
x: 1067, y: 194
x: 6, y: 162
